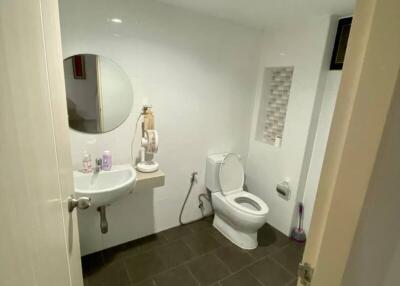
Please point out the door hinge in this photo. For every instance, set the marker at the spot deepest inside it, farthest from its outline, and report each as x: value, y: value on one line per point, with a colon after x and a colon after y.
x: 305, y: 273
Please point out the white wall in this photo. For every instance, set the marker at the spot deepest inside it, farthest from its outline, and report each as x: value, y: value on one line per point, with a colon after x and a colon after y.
x: 199, y: 74
x: 375, y: 256
x: 304, y: 46
x: 321, y: 139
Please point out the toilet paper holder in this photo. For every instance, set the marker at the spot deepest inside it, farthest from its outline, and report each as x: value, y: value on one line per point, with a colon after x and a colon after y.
x: 283, y: 190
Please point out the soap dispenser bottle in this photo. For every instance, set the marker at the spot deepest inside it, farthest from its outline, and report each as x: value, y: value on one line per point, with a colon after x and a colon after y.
x: 86, y: 162
x: 107, y: 161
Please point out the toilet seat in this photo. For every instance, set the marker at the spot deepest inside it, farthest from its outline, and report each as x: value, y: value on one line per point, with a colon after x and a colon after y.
x: 247, y: 203
x: 231, y: 179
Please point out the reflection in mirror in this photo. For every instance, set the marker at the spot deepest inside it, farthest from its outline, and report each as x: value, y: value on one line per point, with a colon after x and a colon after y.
x: 99, y: 93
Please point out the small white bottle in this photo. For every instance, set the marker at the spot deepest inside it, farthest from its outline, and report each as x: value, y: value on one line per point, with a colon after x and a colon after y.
x: 278, y: 141
x: 86, y: 163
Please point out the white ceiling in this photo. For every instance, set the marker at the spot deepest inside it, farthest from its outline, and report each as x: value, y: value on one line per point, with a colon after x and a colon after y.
x: 262, y: 13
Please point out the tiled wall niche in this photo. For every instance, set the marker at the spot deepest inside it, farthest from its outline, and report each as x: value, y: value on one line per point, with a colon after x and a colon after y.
x: 274, y: 100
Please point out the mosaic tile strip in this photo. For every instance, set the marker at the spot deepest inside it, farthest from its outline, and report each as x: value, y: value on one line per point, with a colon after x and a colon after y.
x: 276, y: 93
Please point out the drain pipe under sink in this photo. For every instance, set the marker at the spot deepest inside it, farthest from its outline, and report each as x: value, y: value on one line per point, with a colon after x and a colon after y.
x: 103, y: 219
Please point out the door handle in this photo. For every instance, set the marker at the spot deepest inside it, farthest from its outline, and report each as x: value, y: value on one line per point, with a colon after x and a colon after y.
x: 81, y: 203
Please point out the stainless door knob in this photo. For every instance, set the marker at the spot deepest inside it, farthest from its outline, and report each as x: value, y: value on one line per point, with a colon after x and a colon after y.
x: 80, y: 203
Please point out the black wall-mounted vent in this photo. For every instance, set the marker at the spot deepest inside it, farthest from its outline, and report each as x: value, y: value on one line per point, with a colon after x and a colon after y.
x: 339, y: 50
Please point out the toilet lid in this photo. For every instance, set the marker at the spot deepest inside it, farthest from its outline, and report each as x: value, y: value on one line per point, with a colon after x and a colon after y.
x: 231, y: 174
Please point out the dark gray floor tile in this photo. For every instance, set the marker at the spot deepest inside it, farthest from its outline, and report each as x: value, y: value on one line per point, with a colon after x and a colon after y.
x: 206, y: 226
x: 150, y: 242
x: 92, y: 262
x: 201, y: 225
x: 242, y: 278
x: 144, y: 265
x: 175, y: 253
x: 270, y: 273
x: 110, y: 274
x: 149, y: 282
x: 280, y: 239
x: 118, y: 252
x: 201, y: 242
x: 269, y: 241
x: 209, y: 218
x: 292, y: 283
x: 179, y: 276
x: 263, y: 251
x: 208, y: 269
x: 143, y: 260
x: 234, y: 257
x: 129, y: 248
x: 176, y: 232
x: 290, y: 256
x: 269, y: 235
x: 134, y: 247
x: 219, y: 237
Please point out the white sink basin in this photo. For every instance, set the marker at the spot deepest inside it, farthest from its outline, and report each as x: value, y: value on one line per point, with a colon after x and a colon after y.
x: 105, y: 187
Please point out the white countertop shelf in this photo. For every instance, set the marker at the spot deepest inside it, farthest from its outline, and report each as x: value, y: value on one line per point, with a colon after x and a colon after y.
x: 149, y: 180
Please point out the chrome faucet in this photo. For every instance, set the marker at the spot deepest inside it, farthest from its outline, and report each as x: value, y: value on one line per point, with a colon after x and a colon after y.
x: 97, y: 169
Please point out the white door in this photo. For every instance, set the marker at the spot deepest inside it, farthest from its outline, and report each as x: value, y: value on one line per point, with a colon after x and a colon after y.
x: 368, y: 84
x: 39, y: 243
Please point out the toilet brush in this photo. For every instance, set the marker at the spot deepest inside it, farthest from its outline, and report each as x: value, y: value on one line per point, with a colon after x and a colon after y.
x: 298, y: 233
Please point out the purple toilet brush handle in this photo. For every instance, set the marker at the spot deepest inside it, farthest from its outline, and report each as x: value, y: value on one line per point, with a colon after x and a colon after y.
x: 301, y: 209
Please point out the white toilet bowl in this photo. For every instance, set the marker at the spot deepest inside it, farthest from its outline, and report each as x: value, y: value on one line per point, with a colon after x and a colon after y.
x: 238, y: 214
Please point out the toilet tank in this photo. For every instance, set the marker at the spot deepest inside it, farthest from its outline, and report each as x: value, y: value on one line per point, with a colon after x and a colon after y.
x: 212, y: 171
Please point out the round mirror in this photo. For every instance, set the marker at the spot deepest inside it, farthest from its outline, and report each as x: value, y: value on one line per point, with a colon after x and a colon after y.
x: 99, y: 93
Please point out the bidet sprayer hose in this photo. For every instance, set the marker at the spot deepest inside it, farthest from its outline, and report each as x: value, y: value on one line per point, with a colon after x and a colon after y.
x: 192, y: 181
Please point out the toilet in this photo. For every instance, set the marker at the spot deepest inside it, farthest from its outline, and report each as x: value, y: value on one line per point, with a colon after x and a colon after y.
x: 237, y: 214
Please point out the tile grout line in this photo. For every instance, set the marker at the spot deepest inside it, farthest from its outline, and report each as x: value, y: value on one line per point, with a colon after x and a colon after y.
x: 141, y: 252
x: 269, y: 256
x: 154, y: 282
x: 291, y: 281
x: 280, y: 264
x: 208, y: 251
x: 192, y: 275
x: 277, y: 249
x: 249, y: 254
x: 179, y: 237
x: 231, y: 273
x: 170, y: 269
x: 164, y: 242
x: 283, y: 267
x: 127, y: 272
x: 151, y: 277
x: 140, y: 247
x: 243, y: 268
x: 256, y: 278
x: 188, y: 246
x: 223, y: 263
x: 167, y: 241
